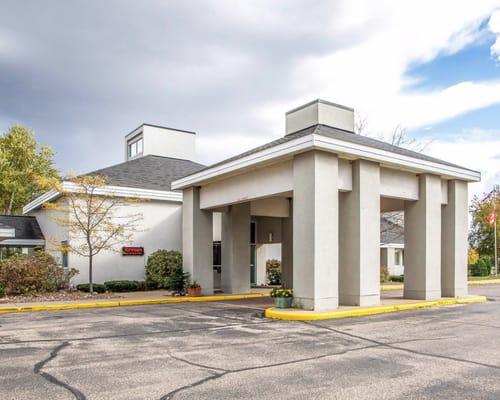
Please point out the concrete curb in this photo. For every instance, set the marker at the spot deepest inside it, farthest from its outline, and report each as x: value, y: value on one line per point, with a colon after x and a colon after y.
x: 124, y: 303
x: 297, y: 315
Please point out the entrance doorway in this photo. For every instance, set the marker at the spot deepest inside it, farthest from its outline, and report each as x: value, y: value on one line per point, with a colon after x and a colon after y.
x: 253, y: 253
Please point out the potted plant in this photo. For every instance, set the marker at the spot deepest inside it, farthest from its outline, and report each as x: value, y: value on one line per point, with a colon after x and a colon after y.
x: 194, y: 289
x: 283, y: 298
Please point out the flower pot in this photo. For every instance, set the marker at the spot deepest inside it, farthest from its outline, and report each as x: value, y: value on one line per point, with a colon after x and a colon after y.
x: 283, y: 302
x: 194, y: 292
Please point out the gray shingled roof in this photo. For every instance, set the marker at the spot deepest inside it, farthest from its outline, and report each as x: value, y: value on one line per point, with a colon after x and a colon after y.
x: 391, y: 232
x: 26, y: 227
x: 339, y: 134
x: 148, y: 172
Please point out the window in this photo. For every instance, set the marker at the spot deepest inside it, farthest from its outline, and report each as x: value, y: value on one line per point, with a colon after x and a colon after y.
x: 135, y: 148
x: 9, y: 251
x: 399, y: 257
x: 217, y: 256
x: 64, y: 254
x: 253, y: 232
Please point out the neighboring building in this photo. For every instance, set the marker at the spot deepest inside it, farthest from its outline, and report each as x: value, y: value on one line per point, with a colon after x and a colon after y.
x: 328, y: 187
x: 392, y: 243
x: 19, y: 235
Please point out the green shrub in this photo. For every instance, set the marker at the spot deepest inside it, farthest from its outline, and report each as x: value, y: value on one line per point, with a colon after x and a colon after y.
x: 384, y: 275
x: 273, y: 272
x: 482, y: 267
x: 37, y: 273
x: 122, y: 286
x: 160, y: 266
x: 98, y: 287
x: 2, y: 291
x: 397, y: 278
x: 142, y: 286
x: 177, y: 281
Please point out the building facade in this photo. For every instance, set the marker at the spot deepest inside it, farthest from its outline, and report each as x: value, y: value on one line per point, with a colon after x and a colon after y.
x: 329, y: 186
x: 312, y: 199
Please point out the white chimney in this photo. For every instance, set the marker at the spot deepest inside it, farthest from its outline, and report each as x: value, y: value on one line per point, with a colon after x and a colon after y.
x: 320, y: 112
x: 160, y: 141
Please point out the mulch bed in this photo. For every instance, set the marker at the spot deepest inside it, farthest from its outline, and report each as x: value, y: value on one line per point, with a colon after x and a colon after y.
x: 63, y: 295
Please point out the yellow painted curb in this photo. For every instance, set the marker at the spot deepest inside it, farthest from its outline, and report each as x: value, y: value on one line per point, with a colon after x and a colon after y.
x: 297, y: 315
x: 484, y: 282
x: 386, y: 288
x: 139, y: 302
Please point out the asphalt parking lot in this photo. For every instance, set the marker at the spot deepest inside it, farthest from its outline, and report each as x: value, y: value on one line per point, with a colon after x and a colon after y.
x: 227, y: 350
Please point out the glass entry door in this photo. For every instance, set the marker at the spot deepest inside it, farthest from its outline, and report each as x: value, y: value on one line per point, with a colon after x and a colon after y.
x: 253, y: 253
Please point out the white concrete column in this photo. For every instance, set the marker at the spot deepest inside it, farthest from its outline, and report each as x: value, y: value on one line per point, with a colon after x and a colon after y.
x: 315, y: 230
x: 197, y: 240
x: 391, y: 260
x: 423, y: 241
x: 287, y: 249
x: 383, y: 257
x: 236, y: 249
x: 454, y: 228
x: 359, y: 274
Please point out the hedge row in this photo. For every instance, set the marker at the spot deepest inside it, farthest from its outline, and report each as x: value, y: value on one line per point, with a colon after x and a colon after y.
x: 117, y: 286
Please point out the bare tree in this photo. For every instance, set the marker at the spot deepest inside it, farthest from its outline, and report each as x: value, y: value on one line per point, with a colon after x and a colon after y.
x: 394, y: 220
x: 94, y: 218
x: 399, y: 135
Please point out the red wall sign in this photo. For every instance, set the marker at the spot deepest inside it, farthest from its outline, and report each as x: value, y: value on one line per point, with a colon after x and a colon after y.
x: 132, y: 251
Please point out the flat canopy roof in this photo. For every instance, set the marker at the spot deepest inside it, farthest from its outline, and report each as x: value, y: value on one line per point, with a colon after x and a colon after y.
x: 344, y: 143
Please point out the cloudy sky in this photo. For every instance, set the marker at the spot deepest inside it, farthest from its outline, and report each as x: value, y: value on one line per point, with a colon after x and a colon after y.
x: 82, y: 74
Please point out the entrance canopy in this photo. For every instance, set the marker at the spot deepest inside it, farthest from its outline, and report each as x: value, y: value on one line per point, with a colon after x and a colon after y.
x: 333, y: 184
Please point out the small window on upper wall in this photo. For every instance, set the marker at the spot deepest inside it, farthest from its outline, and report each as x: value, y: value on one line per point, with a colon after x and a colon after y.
x: 135, y: 148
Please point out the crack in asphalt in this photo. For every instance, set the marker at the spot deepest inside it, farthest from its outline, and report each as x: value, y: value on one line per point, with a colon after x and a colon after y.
x: 225, y: 372
x: 166, y: 331
x: 392, y: 346
x: 37, y: 369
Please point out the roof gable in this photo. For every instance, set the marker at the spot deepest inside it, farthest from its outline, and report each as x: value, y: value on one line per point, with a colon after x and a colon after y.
x: 148, y: 172
x: 26, y: 227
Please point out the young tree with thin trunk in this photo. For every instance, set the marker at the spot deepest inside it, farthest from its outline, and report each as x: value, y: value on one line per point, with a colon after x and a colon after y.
x: 95, y: 218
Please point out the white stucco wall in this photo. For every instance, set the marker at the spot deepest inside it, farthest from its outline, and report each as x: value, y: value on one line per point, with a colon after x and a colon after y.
x: 266, y: 252
x: 169, y: 143
x: 163, y: 142
x: 270, y: 207
x: 160, y: 229
x: 54, y: 234
x: 259, y: 183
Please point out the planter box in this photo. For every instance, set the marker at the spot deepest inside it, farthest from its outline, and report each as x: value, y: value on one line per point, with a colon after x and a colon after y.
x: 283, y: 302
x: 195, y: 292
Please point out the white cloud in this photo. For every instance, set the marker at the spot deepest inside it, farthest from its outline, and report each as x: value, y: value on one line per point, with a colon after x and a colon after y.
x: 371, y: 75
x: 494, y: 27
x: 229, y: 73
x: 476, y: 149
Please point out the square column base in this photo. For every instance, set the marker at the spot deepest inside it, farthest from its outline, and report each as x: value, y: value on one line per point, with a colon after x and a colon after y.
x: 360, y: 300
x: 455, y: 292
x: 307, y: 303
x: 422, y: 294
